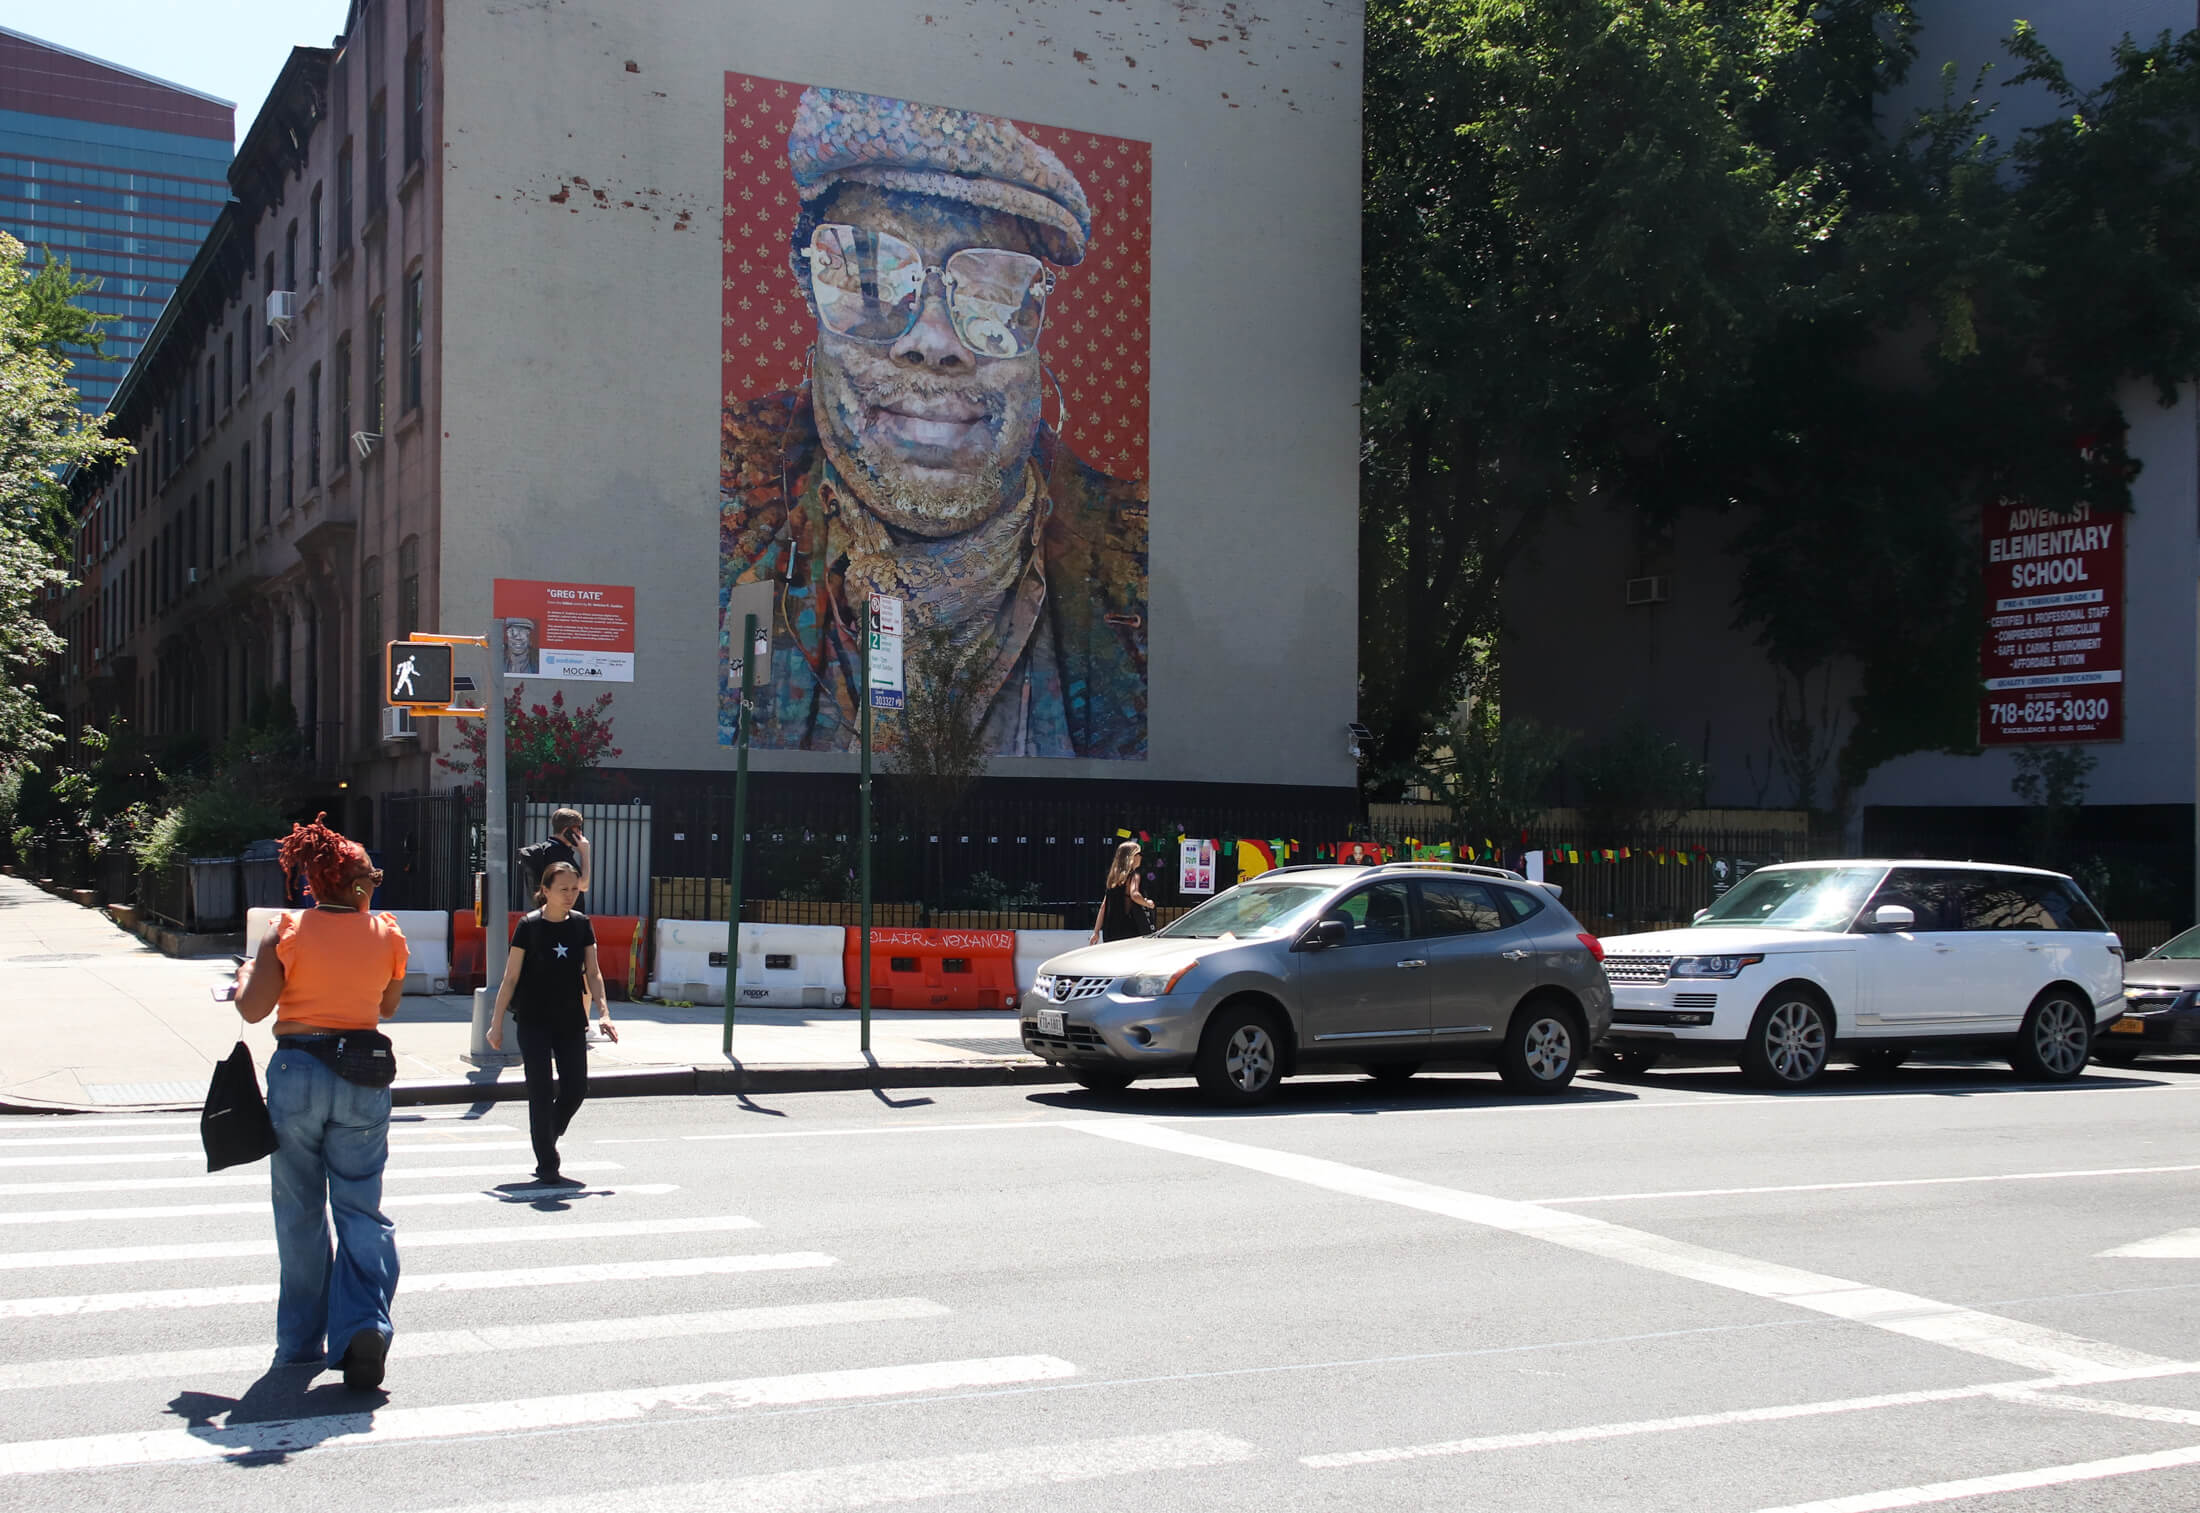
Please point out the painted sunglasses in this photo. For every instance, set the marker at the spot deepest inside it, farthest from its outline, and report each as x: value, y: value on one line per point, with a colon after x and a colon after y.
x: 870, y: 285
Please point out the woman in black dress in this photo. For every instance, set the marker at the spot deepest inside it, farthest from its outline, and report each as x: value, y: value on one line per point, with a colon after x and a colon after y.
x: 1124, y: 912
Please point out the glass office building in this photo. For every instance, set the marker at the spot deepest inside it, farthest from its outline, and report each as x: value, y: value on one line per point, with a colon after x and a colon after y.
x: 115, y: 171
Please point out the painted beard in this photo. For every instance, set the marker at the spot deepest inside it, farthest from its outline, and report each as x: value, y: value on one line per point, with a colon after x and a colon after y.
x: 904, y: 440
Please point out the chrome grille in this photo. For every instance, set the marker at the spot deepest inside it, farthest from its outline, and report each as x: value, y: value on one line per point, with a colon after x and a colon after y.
x: 1637, y: 969
x: 1695, y: 1000
x: 1071, y: 989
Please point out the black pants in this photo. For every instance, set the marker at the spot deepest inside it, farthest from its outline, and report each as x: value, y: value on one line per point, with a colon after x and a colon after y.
x: 551, y: 1107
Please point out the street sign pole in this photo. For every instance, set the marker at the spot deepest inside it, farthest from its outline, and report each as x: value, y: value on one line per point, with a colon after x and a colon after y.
x: 863, y: 821
x: 740, y: 821
x: 496, y: 846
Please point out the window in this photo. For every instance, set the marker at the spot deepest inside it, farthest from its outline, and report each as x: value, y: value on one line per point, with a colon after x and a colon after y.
x: 191, y: 409
x: 244, y: 493
x: 229, y: 540
x: 290, y: 257
x: 313, y: 427
x: 290, y: 450
x: 415, y: 332
x: 343, y: 198
x: 416, y: 102
x: 313, y: 239
x: 1934, y: 894
x: 229, y: 370
x: 1518, y: 905
x: 1451, y: 907
x: 343, y: 403
x: 370, y: 638
x: 408, y: 587
x: 378, y: 155
x: 1378, y: 914
x: 377, y: 360
x: 2025, y: 901
x: 267, y: 467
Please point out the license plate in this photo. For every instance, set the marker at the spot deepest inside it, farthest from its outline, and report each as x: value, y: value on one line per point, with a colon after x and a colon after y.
x: 1052, y: 1022
x: 2127, y: 1027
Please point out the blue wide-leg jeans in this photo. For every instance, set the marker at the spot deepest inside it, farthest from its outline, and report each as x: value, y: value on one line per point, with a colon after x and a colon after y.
x: 333, y: 1143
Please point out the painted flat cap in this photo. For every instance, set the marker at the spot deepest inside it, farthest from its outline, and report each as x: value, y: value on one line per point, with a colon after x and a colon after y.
x: 842, y: 135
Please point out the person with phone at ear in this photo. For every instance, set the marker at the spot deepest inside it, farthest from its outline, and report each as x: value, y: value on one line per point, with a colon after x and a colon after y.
x: 553, y: 958
x: 566, y: 844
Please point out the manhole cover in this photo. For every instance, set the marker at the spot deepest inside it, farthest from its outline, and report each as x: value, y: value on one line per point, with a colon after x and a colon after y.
x: 984, y: 1047
x: 50, y: 957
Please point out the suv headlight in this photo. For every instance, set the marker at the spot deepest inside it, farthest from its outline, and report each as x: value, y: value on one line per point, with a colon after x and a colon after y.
x: 1154, y: 984
x: 1711, y: 966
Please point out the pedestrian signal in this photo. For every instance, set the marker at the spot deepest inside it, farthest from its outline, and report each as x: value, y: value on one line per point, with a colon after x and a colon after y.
x: 416, y: 673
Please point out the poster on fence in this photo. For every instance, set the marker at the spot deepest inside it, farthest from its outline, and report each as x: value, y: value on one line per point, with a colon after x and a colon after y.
x: 1195, y: 866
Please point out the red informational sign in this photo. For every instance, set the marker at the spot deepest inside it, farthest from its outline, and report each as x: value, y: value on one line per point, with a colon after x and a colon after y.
x: 2053, y: 660
x: 566, y: 630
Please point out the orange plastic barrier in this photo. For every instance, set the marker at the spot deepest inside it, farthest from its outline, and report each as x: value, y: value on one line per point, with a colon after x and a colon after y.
x: 618, y: 951
x: 934, y: 969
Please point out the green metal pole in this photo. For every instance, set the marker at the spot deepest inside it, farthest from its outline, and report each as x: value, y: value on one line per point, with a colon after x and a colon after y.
x: 740, y: 820
x: 863, y: 819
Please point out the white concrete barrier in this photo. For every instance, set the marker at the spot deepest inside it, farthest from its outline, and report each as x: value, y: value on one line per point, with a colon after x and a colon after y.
x: 781, y: 967
x: 427, y: 950
x: 427, y: 945
x: 257, y: 922
x: 1034, y: 947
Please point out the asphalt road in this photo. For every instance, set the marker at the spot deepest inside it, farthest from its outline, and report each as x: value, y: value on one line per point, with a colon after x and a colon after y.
x: 1673, y: 1294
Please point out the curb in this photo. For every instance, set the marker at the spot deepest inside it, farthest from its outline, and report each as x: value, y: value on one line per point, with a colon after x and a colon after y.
x: 667, y: 1082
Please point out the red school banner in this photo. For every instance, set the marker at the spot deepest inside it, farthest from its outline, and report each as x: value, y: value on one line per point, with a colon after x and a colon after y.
x: 2053, y: 658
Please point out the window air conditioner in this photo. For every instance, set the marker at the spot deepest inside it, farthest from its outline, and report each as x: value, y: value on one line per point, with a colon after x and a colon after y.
x: 1649, y: 590
x: 279, y: 311
x: 397, y: 724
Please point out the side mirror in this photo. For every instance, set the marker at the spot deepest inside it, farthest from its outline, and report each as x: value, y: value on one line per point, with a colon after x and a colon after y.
x: 1890, y: 918
x: 1326, y: 934
x: 1700, y: 915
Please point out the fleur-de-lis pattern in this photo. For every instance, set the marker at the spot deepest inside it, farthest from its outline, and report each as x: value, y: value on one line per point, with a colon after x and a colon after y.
x: 1098, y: 318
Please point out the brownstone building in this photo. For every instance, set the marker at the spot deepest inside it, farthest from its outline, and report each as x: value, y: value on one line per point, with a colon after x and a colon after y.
x: 280, y: 517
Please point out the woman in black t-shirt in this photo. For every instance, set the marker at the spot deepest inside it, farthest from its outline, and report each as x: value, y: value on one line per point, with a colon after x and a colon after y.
x: 1124, y: 911
x: 550, y: 978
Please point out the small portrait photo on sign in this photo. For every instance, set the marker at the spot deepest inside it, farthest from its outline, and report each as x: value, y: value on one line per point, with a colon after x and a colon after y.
x: 583, y: 631
x: 519, y: 648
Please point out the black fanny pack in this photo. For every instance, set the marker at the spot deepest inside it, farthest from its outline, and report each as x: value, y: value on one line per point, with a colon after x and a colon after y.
x: 362, y: 1056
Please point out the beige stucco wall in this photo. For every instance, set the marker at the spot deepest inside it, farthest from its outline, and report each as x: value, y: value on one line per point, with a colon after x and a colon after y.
x: 581, y: 380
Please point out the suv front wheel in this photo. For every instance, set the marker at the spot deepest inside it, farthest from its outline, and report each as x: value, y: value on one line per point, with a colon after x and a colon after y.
x: 1790, y: 1040
x: 1240, y: 1055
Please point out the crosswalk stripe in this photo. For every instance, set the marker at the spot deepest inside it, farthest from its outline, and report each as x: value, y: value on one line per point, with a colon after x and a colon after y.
x: 256, y: 1177
x: 876, y: 1483
x: 515, y: 1415
x: 12, y: 1142
x: 520, y: 1233
x: 157, y: 1211
x: 119, y: 1158
x: 409, y: 1345
x: 458, y: 1281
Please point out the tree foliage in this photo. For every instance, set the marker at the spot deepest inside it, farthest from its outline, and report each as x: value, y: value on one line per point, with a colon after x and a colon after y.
x: 1671, y: 253
x: 935, y: 744
x: 546, y: 745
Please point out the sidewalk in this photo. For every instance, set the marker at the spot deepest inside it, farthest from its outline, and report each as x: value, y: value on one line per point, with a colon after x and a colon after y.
x: 92, y: 1018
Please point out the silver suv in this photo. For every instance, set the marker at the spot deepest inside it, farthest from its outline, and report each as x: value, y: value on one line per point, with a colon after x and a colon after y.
x: 1383, y: 968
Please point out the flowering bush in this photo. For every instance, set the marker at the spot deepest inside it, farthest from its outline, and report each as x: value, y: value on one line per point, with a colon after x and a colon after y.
x: 544, y: 744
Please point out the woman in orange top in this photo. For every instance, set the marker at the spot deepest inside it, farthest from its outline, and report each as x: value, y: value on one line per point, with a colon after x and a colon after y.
x: 330, y: 974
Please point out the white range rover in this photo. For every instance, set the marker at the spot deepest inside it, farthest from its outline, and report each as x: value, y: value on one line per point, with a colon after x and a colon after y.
x: 1870, y: 962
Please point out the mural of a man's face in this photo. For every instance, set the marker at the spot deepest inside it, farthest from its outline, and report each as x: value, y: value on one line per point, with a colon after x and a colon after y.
x: 927, y: 429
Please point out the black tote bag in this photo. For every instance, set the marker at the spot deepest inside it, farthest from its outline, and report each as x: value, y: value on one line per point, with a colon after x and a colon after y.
x: 234, y: 1126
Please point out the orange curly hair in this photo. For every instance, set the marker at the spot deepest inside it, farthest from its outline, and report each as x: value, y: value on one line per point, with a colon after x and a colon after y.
x: 332, y: 866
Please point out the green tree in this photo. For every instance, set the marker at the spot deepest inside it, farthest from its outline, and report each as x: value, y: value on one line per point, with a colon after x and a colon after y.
x: 936, y: 743
x: 1574, y: 241
x: 1493, y: 773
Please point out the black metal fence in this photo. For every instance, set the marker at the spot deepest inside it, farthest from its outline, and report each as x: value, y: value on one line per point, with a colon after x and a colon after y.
x: 426, y: 845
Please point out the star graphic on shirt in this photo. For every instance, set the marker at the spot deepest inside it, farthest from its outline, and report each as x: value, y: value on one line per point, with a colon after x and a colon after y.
x: 561, y: 953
